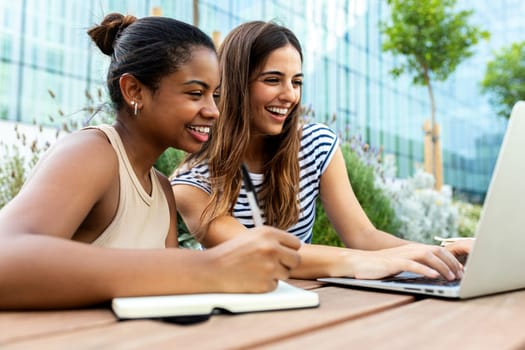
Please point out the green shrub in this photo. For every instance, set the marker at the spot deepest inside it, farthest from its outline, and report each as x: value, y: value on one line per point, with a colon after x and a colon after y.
x: 375, y: 203
x: 468, y: 218
x: 169, y: 160
x: 323, y: 231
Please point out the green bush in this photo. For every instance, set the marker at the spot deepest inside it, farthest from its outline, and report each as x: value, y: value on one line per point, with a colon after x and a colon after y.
x: 375, y: 203
x: 323, y: 231
x: 468, y: 218
x: 169, y: 160
x: 166, y: 163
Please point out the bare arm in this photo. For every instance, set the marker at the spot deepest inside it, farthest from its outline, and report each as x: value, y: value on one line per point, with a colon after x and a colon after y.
x: 41, y: 267
x: 40, y: 271
x: 371, y: 253
x: 387, y: 252
x: 316, y: 260
x: 320, y: 261
x: 346, y: 214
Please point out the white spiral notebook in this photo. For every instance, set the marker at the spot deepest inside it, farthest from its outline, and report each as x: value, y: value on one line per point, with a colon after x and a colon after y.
x: 285, y: 296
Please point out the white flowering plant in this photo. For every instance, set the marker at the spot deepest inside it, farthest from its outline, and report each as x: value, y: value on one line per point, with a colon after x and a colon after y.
x: 423, y: 211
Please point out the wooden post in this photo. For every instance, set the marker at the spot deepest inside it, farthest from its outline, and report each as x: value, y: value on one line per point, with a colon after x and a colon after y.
x: 438, y: 162
x: 427, y: 147
x: 156, y: 11
x: 433, y: 163
x: 216, y: 37
x: 196, y: 13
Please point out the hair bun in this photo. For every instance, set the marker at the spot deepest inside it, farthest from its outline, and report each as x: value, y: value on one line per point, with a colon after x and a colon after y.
x: 105, y: 34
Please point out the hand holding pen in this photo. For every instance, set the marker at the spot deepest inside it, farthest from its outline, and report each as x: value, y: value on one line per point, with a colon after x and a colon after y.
x: 289, y: 244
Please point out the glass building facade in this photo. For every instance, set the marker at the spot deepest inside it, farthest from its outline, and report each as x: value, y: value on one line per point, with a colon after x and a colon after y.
x: 45, y: 51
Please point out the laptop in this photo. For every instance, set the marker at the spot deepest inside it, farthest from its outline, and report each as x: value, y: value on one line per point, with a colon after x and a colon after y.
x: 495, y: 263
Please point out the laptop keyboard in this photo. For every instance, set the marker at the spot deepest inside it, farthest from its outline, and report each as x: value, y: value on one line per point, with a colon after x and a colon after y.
x: 423, y: 280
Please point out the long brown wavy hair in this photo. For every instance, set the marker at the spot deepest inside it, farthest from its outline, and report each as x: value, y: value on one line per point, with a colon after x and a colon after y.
x: 243, y: 52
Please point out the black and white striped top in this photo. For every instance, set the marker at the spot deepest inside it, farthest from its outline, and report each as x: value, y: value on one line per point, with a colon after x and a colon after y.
x: 318, y: 145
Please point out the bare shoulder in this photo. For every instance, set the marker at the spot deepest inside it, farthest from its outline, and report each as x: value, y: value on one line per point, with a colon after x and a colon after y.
x: 70, y: 179
x: 86, y: 142
x: 82, y: 153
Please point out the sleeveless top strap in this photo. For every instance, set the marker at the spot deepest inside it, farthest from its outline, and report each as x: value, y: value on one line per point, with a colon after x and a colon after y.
x: 142, y: 220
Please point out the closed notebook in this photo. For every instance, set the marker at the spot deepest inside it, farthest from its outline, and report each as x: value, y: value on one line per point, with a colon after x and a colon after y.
x: 285, y: 296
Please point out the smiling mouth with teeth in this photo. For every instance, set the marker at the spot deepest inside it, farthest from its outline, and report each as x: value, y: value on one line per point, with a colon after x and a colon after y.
x: 200, y: 129
x: 277, y: 110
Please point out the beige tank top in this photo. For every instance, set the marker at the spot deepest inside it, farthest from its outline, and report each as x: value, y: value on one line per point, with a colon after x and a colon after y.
x: 142, y: 220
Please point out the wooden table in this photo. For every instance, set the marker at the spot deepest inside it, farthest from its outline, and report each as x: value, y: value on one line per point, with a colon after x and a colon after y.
x: 347, y: 318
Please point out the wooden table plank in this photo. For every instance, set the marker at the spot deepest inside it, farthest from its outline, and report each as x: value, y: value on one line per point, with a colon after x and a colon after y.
x: 227, y: 331
x: 492, y: 322
x: 21, y: 325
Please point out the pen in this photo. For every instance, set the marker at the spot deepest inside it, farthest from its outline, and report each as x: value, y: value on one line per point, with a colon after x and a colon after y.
x: 252, y: 196
x: 449, y: 240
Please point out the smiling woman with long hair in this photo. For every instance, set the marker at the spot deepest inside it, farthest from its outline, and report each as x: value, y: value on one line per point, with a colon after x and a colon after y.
x: 291, y: 165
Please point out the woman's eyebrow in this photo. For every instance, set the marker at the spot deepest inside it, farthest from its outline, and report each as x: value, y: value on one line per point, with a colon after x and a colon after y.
x: 198, y: 82
x: 272, y: 72
x: 276, y: 72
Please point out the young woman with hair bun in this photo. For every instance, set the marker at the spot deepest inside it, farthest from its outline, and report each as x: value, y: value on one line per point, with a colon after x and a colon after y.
x: 96, y: 220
